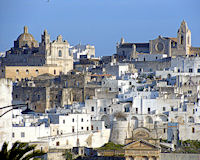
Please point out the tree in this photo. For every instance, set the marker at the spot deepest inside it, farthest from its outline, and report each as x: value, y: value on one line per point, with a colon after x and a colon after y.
x: 68, y: 155
x: 19, y: 151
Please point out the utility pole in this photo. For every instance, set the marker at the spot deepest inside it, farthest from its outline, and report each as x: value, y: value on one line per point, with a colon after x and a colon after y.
x: 77, y: 142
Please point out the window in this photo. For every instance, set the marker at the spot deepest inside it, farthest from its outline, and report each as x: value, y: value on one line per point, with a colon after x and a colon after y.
x: 92, y: 127
x: 81, y: 128
x: 60, y: 53
x: 198, y: 70
x: 120, y: 89
x: 63, y: 121
x: 87, y: 128
x: 189, y: 92
x: 36, y: 71
x: 57, y: 143
x: 72, y: 129
x: 27, y: 71
x: 97, y: 128
x: 190, y: 70
x: 181, y: 39
x: 172, y: 108
x: 164, y: 108
x: 13, y: 134
x: 81, y: 119
x: 149, y: 110
x: 123, y: 53
x: 164, y: 130
x: 144, y: 59
x: 16, y: 96
x: 136, y: 110
x: 38, y: 97
x: 22, y: 134
x: 54, y: 71
x: 17, y: 71
x: 193, y: 130
x: 92, y: 109
x: 178, y: 70
x: 72, y: 119
x: 104, y: 109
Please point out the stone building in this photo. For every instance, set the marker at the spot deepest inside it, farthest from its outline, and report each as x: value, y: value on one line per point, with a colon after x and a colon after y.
x: 171, y: 46
x: 27, y: 59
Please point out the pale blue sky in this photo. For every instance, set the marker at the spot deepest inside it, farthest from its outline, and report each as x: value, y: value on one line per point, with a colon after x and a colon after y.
x: 98, y: 22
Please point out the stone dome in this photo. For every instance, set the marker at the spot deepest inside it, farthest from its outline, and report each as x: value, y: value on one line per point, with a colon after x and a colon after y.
x: 25, y: 40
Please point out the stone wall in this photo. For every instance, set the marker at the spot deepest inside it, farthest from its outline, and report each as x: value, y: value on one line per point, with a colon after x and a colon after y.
x: 16, y: 73
x: 152, y: 66
x: 119, y: 132
x: 179, y: 156
x: 34, y: 96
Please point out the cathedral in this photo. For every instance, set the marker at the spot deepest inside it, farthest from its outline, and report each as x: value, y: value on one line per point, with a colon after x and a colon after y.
x: 28, y: 58
x: 170, y: 46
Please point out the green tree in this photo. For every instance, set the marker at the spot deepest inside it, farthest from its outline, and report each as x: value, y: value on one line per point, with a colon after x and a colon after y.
x: 19, y: 151
x: 68, y: 155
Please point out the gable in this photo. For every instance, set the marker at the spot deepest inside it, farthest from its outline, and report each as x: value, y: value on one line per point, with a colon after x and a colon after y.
x: 140, y: 145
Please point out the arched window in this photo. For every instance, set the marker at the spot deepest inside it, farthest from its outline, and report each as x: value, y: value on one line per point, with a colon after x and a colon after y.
x: 149, y: 119
x: 27, y: 71
x: 60, y: 53
x: 191, y: 119
x: 181, y: 39
x: 188, y: 39
x: 17, y: 71
x: 37, y: 72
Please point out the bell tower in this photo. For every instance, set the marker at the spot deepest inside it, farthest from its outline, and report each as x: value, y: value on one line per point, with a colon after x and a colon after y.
x: 45, y: 43
x: 45, y: 38
x: 184, y: 38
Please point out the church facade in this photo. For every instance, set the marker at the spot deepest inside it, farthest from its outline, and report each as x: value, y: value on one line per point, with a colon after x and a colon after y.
x: 29, y: 59
x: 170, y: 46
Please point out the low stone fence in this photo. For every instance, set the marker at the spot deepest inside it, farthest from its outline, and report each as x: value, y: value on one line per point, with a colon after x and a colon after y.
x: 179, y: 156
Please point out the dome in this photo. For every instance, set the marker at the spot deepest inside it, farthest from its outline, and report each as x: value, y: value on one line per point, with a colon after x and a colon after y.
x: 26, y: 40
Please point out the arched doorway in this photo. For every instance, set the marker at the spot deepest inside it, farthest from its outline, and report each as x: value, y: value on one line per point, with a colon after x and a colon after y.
x: 135, y: 121
x: 106, y: 120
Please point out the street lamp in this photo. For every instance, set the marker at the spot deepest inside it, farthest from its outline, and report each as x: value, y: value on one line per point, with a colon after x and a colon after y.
x: 14, y: 106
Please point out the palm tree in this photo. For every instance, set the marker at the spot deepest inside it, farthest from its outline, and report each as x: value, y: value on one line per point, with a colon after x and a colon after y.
x: 19, y: 151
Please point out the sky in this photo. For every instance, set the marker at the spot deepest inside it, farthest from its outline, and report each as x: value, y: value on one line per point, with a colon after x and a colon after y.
x: 101, y: 23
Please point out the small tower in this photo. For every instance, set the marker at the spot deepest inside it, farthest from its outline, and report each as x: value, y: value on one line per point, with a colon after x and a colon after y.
x: 45, y: 38
x: 25, y: 29
x: 122, y: 40
x: 184, y: 38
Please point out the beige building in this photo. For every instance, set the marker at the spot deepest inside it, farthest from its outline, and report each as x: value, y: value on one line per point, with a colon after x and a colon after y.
x: 17, y: 73
x: 171, y: 46
x: 27, y: 59
x: 141, y: 146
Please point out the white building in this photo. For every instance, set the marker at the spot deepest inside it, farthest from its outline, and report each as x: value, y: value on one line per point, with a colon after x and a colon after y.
x: 5, y: 118
x: 59, y: 131
x: 82, y: 51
